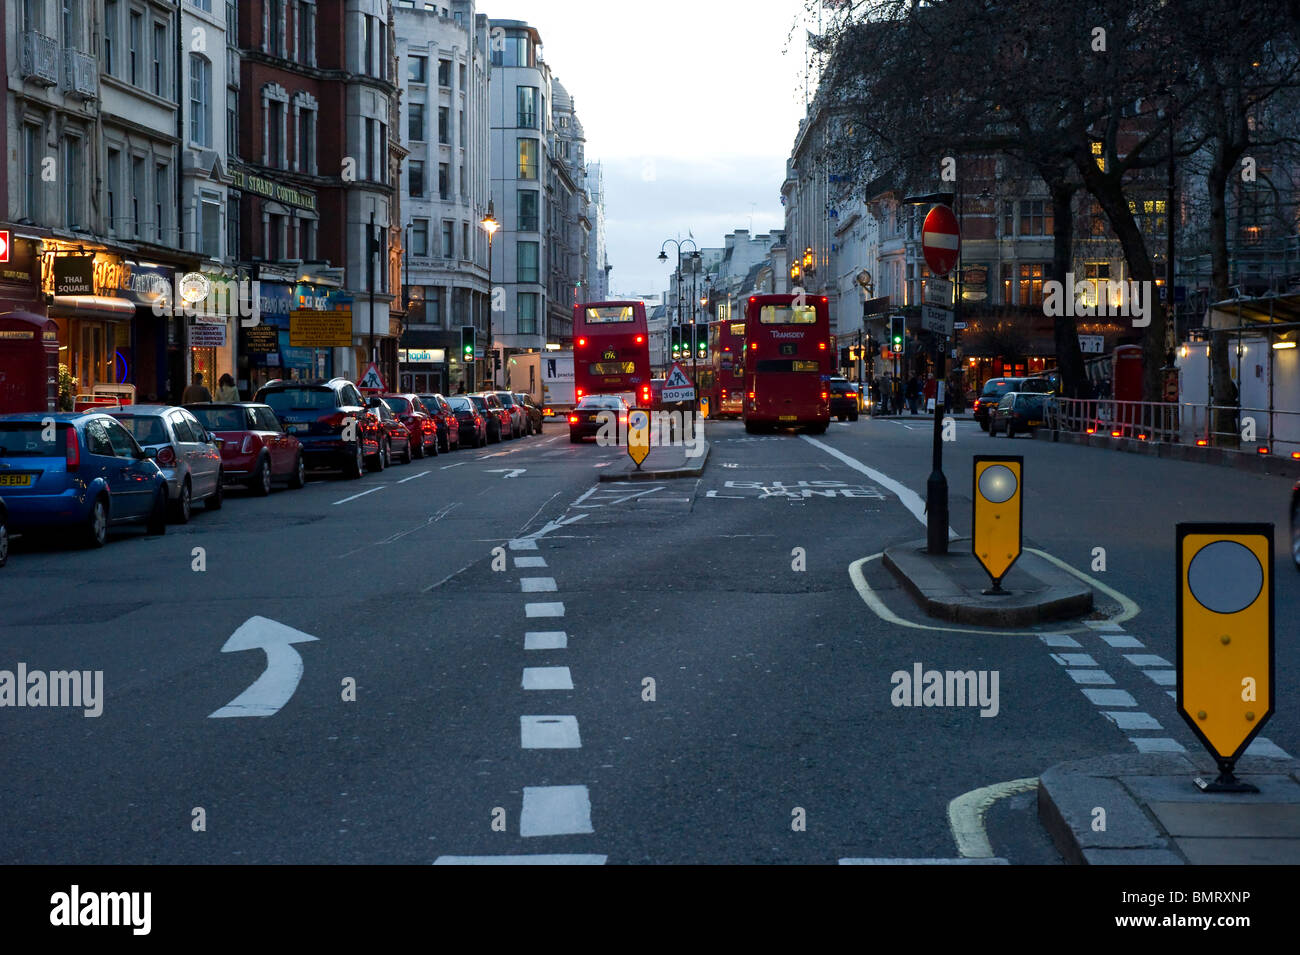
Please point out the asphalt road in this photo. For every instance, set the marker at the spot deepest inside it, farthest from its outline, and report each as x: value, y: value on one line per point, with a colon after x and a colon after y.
x: 770, y: 736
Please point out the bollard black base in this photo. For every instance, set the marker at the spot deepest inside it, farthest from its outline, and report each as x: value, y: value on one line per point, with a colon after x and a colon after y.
x: 936, y: 513
x: 1227, y: 782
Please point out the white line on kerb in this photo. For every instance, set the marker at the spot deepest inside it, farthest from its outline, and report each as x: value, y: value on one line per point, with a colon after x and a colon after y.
x: 966, y: 815
x: 362, y: 494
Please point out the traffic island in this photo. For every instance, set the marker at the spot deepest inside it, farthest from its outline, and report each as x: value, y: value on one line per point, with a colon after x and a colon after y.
x: 1152, y: 813
x: 662, y: 463
x: 950, y: 587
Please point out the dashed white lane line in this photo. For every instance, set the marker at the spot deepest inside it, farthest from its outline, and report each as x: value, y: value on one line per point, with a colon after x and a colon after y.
x: 549, y: 732
x: 537, y: 585
x: 530, y: 562
x: 521, y: 860
x: 555, y: 811
x: 1147, y: 660
x: 414, y: 476
x: 544, y: 610
x: 1074, y: 659
x: 1121, y: 640
x: 1157, y: 744
x: 1132, y: 721
x: 1092, y: 677
x: 547, y: 678
x: 1110, y: 697
x: 1163, y: 677
x: 447, y: 467
x: 362, y: 494
x: 546, y: 640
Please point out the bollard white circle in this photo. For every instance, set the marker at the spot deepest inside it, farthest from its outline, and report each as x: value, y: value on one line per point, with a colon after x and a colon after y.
x: 997, y: 484
x: 1225, y: 577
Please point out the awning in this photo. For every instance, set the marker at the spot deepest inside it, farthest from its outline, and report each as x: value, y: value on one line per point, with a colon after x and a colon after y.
x: 102, y: 307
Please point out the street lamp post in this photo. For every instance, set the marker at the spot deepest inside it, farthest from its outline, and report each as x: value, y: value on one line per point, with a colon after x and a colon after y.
x: 864, y: 281
x: 490, y: 226
x: 663, y: 257
x: 372, y: 247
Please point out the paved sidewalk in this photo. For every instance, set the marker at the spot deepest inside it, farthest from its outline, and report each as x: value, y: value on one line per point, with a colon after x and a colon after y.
x: 1155, y: 815
x: 660, y: 464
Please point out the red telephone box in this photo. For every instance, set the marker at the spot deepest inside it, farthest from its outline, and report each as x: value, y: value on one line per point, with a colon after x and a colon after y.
x: 1126, y: 377
x: 29, y: 363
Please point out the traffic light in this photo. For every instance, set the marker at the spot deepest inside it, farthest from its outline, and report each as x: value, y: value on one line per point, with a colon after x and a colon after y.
x: 896, y: 329
x: 676, y: 337
x: 701, y: 342
x: 467, y: 344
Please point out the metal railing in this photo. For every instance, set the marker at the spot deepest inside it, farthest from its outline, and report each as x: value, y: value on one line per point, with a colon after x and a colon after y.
x: 1261, y: 430
x: 40, y: 58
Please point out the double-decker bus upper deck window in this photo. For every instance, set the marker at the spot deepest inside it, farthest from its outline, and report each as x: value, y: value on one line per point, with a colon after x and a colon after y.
x: 738, y: 328
x: 787, y: 315
x: 606, y: 316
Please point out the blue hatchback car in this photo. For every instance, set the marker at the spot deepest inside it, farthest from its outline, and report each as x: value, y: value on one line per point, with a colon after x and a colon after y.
x: 81, y: 471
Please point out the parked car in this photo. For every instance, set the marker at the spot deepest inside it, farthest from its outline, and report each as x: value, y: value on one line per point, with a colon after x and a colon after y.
x: 536, y: 417
x: 470, y: 423
x: 1295, y: 525
x: 87, y: 474
x: 502, y: 412
x: 413, y: 412
x: 1018, y: 411
x: 329, y: 418
x: 995, y: 388
x: 396, y: 441
x: 585, y: 419
x: 188, y: 454
x: 844, y: 399
x: 256, y: 451
x: 448, y: 426
x: 494, y: 416
x: 4, y: 533
x: 518, y: 417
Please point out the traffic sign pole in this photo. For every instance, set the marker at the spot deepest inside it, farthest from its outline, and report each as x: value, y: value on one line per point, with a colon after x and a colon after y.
x: 941, y: 246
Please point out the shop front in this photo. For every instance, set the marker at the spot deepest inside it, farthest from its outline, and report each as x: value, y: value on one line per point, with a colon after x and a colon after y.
x: 153, y: 358
x: 261, y: 345
x: 29, y: 343
x: 300, y: 326
x: 94, y: 322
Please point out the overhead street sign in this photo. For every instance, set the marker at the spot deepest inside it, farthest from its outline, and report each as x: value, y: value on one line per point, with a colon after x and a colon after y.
x: 998, y: 508
x: 937, y: 320
x: 940, y: 240
x: 1225, y: 639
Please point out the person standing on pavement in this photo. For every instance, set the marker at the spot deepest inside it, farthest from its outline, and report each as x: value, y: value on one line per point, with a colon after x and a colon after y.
x: 913, y: 394
x: 196, y: 393
x: 226, y: 390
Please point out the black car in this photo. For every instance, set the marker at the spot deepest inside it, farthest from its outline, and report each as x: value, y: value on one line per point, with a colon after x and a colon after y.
x: 330, y: 419
x: 470, y: 422
x: 995, y: 388
x: 591, y: 414
x: 491, y: 416
x: 844, y: 399
x: 1019, y: 412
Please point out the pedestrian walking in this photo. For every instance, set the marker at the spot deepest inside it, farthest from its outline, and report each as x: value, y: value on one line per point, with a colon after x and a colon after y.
x: 226, y: 390
x: 196, y: 393
x: 913, y: 394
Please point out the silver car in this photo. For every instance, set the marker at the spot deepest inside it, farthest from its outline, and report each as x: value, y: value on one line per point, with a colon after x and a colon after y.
x: 186, y: 452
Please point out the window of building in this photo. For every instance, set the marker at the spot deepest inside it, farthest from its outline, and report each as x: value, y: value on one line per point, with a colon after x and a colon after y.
x: 526, y: 106
x: 307, y: 230
x: 200, y: 101
x: 369, y: 144
x: 526, y: 302
x: 382, y: 156
x: 275, y: 154
x: 417, y: 69
x: 1007, y: 271
x: 1035, y: 217
x: 444, y: 181
x: 1031, y: 283
x: 464, y: 240
x: 444, y: 125
x: 232, y: 123
x: 32, y: 171
x: 204, y: 5
x: 527, y: 257
x: 415, y: 177
x: 232, y: 226
x: 210, y: 226
x: 415, y: 122
x: 527, y: 206
x: 444, y: 72
x: 163, y: 199
x: 306, y: 138
x: 275, y: 236
x: 135, y: 40
x: 74, y: 204
x: 138, y: 196
x: 307, y: 32
x: 111, y: 13
x: 461, y: 170
x: 420, y: 237
x: 448, y: 240
x: 113, y: 188
x: 1008, y: 218
x: 367, y: 46
x: 527, y: 159
x: 461, y: 76
x: 273, y: 27
x: 160, y: 59
x: 460, y: 128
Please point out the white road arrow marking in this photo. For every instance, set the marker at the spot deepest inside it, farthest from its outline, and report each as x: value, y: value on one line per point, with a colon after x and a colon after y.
x: 275, y: 686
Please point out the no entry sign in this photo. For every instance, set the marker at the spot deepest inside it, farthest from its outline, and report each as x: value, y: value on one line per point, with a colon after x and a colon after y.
x: 940, y: 240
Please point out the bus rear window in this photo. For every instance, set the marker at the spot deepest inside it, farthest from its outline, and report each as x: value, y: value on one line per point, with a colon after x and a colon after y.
x: 787, y: 315
x: 738, y: 328
x: 785, y: 364
x: 612, y: 368
x: 605, y: 316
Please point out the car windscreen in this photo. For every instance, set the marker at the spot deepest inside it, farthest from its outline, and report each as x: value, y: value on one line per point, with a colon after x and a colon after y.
x: 505, y: 399
x: 597, y: 401
x: 222, y: 419
x: 299, y: 399
x: 1037, y: 385
x: 996, y: 386
x: 399, y: 405
x: 479, y: 403
x: 460, y: 404
x: 26, y: 439
x: 147, y: 429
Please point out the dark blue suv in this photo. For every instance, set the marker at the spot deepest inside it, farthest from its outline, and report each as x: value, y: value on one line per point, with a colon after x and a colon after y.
x: 80, y: 470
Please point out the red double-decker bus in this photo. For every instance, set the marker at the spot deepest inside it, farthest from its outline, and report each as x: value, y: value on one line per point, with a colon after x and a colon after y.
x: 611, y: 351
x: 788, y: 362
x: 723, y: 379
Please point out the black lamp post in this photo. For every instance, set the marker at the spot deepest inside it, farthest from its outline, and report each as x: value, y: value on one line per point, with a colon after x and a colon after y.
x: 490, y: 226
x: 663, y: 257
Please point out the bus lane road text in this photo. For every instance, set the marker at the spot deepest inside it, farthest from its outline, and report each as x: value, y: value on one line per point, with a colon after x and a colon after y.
x: 795, y: 490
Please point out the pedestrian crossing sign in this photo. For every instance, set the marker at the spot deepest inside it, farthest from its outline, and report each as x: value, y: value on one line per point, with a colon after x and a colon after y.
x: 372, y: 380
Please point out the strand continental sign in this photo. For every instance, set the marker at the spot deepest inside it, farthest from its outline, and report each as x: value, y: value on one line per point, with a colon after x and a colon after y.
x: 289, y: 195
x: 309, y: 328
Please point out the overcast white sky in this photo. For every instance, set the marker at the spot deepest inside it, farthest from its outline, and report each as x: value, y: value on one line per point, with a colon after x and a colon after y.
x: 692, y: 106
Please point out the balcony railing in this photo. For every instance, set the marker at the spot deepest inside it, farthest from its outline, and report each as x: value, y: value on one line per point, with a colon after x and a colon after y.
x: 80, y: 74
x: 40, y: 58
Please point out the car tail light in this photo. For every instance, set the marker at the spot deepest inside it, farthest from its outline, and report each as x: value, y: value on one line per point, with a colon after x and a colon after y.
x: 573, y: 419
x: 645, y: 393
x: 582, y: 342
x: 640, y: 339
x: 247, y: 446
x: 751, y: 396
x: 1116, y: 434
x: 824, y: 396
x: 166, y: 457
x: 73, y: 449
x: 580, y: 392
x: 1262, y: 450
x: 821, y: 346
x: 753, y: 346
x: 1092, y: 431
x: 1296, y: 455
x: 1201, y: 442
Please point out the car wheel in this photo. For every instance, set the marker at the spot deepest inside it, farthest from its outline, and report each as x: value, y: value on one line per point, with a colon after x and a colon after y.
x: 96, y: 529
x: 380, y: 459
x: 418, y: 450
x: 357, y: 466
x: 183, y: 506
x: 157, y: 523
x: 261, y: 480
x: 218, y: 497
x: 4, y: 542
x: 853, y: 417
x: 299, y: 477
x: 409, y: 455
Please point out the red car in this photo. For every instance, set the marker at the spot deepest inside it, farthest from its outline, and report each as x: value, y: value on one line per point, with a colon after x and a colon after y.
x: 495, y: 407
x: 255, y: 451
x: 448, y: 426
x: 419, y: 421
x: 395, y: 441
